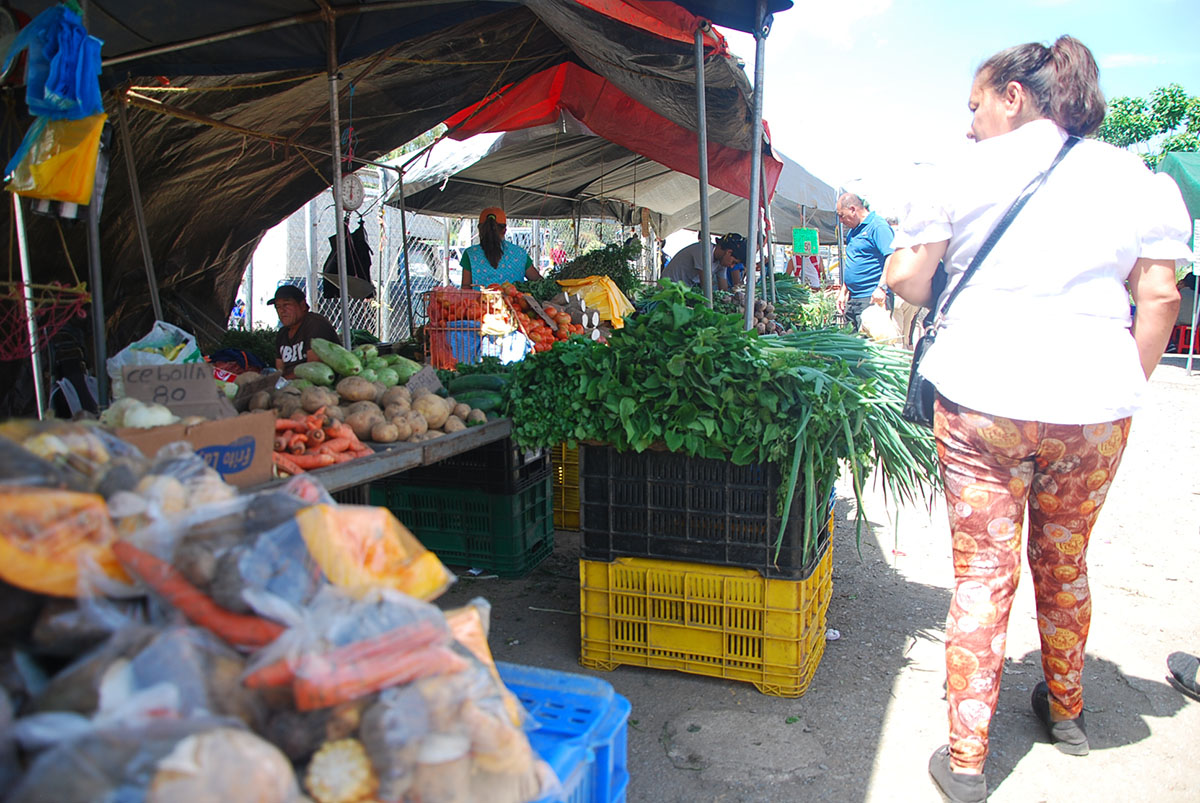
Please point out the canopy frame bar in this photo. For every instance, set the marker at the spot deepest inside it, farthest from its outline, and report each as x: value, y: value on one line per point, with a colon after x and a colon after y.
x: 760, y: 47
x: 139, y: 211
x: 706, y: 282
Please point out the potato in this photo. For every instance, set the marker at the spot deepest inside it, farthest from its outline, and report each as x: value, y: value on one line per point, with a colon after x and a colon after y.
x: 393, y: 395
x: 462, y: 411
x: 434, y: 408
x: 433, y: 433
x: 477, y: 416
x: 260, y: 400
x: 454, y: 424
x: 419, y: 392
x: 246, y: 377
x: 314, y: 398
x: 336, y: 413
x: 395, y: 408
x: 355, y: 389
x: 384, y: 432
x: 196, y: 561
x: 416, y: 422
x: 288, y: 405
x: 380, y: 389
x: 363, y: 422
x: 367, y: 406
x: 450, y: 400
x: 403, y: 430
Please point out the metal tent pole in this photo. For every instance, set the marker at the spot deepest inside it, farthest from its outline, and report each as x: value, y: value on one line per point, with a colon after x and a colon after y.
x: 335, y: 131
x: 96, y: 283
x: 250, y: 296
x: 768, y: 235
x: 702, y: 150
x: 39, y: 392
x: 404, y: 250
x: 1195, y: 302
x: 139, y: 214
x: 446, y: 259
x: 760, y: 47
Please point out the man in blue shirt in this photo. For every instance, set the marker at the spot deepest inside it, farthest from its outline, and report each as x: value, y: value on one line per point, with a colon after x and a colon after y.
x: 868, y: 245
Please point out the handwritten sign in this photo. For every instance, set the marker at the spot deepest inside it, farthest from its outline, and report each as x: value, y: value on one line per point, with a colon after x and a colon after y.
x: 186, y: 389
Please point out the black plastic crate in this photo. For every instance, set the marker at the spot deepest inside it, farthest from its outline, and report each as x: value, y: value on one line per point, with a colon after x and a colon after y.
x: 673, y: 507
x: 499, y: 467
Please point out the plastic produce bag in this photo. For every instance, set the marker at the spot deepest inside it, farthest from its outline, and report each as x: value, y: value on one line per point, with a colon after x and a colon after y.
x: 877, y: 324
x: 59, y: 160
x: 346, y: 648
x: 601, y: 294
x: 163, y: 345
x: 83, y: 456
x: 62, y: 80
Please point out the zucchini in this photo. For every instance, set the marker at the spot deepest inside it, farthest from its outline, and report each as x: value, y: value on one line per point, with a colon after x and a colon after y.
x: 316, y: 372
x: 344, y: 362
x: 366, y: 351
x: 404, y: 367
x: 493, y: 382
x: 387, y: 376
x: 375, y: 363
x: 486, y: 400
x: 369, y: 374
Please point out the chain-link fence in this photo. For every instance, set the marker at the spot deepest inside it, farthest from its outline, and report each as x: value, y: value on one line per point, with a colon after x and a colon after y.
x: 435, y: 245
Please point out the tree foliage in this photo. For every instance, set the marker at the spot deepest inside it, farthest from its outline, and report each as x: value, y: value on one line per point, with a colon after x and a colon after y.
x: 1167, y: 120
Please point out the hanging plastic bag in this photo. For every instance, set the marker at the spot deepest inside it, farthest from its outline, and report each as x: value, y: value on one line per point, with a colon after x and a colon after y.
x: 601, y: 294
x: 58, y: 160
x: 164, y: 345
x: 63, y: 76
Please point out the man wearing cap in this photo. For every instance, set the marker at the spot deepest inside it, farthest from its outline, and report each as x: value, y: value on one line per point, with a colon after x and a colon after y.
x: 297, y: 328
x: 495, y: 260
x: 868, y: 245
x: 687, y: 266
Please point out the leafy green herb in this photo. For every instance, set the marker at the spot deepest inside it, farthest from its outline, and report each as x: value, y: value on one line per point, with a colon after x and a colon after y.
x: 612, y: 260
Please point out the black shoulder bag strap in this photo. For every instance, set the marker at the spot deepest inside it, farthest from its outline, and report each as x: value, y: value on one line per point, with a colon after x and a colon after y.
x: 990, y: 242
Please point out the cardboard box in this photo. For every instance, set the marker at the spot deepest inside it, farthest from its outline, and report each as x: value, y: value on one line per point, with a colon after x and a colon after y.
x: 239, y: 448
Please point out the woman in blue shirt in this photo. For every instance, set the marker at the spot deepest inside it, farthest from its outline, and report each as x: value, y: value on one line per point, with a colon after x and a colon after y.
x: 495, y: 260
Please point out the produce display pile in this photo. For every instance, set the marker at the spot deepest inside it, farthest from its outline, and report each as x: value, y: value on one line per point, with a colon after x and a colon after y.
x: 289, y: 642
x: 611, y: 260
x: 562, y: 316
x: 692, y: 380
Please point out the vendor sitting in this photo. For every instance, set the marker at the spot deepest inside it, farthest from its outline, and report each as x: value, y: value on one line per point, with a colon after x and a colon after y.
x: 495, y: 260
x: 297, y: 328
x: 687, y: 266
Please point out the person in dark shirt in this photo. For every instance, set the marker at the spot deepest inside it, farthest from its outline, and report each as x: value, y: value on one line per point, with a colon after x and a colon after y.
x: 297, y: 328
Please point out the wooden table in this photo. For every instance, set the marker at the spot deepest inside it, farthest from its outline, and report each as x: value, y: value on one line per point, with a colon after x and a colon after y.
x: 404, y: 456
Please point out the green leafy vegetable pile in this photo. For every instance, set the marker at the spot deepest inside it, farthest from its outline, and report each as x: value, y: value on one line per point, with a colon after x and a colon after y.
x: 612, y: 260
x: 694, y: 380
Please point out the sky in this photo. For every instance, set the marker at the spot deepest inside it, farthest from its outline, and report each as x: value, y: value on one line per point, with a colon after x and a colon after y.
x: 862, y: 93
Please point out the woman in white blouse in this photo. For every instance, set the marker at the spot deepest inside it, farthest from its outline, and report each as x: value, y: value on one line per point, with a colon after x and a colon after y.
x: 1038, y: 367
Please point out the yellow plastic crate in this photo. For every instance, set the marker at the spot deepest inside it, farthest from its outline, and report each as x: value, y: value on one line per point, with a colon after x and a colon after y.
x: 718, y: 621
x: 565, y: 463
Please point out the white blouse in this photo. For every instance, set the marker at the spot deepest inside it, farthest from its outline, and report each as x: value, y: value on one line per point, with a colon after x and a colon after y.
x: 1041, y: 332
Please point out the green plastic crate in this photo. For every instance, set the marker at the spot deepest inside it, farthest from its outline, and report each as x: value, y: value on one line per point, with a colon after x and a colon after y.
x: 508, y: 535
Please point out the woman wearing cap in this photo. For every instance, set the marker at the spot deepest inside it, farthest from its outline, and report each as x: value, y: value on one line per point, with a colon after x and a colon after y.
x: 495, y: 260
x: 1038, y: 368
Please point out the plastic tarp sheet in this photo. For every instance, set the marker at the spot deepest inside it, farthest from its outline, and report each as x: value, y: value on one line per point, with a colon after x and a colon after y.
x: 563, y: 170
x: 1185, y: 169
x: 210, y: 188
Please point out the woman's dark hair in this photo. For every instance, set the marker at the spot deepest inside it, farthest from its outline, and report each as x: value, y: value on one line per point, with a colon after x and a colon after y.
x: 491, y: 238
x: 1062, y: 81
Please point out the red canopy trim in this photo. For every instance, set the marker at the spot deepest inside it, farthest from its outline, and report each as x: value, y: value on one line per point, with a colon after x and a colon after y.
x: 616, y: 117
x: 665, y: 19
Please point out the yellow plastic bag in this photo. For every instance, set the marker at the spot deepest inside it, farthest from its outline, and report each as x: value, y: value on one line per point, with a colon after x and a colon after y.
x: 601, y: 294
x: 61, y: 162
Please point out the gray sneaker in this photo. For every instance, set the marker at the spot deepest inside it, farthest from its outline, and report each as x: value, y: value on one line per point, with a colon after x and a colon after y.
x: 1068, y: 736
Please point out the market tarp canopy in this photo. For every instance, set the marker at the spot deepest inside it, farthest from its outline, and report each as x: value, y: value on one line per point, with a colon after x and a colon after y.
x: 564, y: 170
x: 240, y: 130
x: 1185, y: 169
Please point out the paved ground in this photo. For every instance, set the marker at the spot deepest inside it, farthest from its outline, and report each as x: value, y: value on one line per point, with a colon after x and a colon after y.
x: 865, y: 729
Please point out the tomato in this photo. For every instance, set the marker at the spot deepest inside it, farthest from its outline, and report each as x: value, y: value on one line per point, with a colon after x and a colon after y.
x: 550, y: 309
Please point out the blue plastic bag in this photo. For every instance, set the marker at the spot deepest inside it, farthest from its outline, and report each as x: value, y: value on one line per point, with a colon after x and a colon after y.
x: 63, y: 72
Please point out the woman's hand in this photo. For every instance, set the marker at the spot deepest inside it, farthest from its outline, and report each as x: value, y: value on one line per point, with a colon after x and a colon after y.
x: 909, y: 272
x: 1151, y: 283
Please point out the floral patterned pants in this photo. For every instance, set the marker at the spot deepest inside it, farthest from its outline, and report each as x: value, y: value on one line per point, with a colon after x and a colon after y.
x: 992, y: 467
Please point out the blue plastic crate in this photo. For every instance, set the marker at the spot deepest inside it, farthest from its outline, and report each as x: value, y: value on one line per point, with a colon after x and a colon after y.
x: 583, y: 731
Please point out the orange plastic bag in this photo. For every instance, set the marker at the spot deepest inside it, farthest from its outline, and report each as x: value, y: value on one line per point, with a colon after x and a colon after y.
x: 61, y: 162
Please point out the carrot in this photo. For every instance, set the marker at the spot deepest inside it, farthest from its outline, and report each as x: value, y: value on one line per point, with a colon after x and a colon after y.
x: 398, y: 640
x: 281, y: 442
x: 340, y: 430
x: 321, y: 684
x: 163, y: 579
x: 362, y: 451
x: 311, y: 461
x: 286, y: 463
x: 286, y: 424
x: 335, y: 445
x: 316, y: 435
x: 301, y: 417
x: 344, y: 457
x: 297, y: 447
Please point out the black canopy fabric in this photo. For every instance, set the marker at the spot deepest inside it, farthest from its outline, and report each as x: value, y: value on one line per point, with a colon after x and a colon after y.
x: 239, y: 131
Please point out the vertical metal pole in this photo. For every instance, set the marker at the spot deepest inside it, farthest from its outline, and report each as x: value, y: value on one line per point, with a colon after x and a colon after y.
x: 446, y: 225
x: 96, y: 283
x: 404, y: 250
x: 760, y: 42
x: 768, y: 235
x: 702, y: 149
x: 250, y: 296
x: 30, y: 315
x: 139, y: 215
x: 310, y: 251
x: 335, y: 131
x: 1195, y: 293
